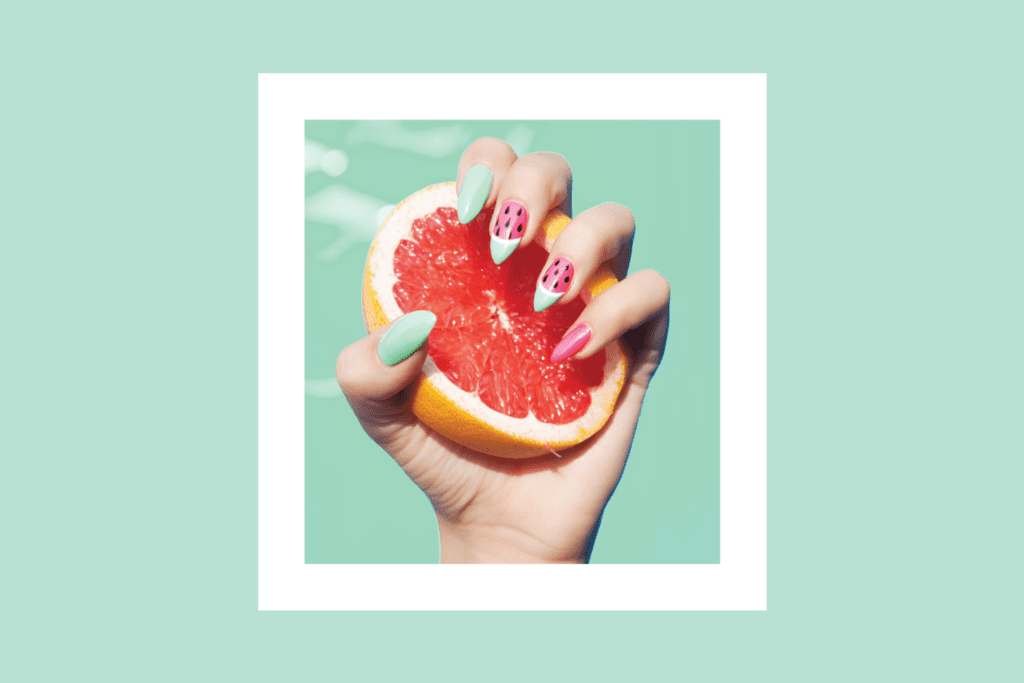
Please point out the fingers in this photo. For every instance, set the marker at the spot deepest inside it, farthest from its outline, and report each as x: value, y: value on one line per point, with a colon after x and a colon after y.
x: 535, y: 184
x: 373, y: 370
x: 524, y: 189
x: 637, y: 307
x: 598, y: 235
x: 482, y: 169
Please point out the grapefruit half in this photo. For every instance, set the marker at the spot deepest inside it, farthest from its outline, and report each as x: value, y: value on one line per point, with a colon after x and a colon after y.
x: 488, y: 382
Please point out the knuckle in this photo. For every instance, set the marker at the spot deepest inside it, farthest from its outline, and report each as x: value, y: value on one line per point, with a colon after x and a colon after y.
x: 544, y: 169
x: 490, y: 146
x: 529, y: 168
x: 621, y: 213
x: 555, y: 161
x: 655, y: 283
x: 543, y: 177
x: 534, y: 171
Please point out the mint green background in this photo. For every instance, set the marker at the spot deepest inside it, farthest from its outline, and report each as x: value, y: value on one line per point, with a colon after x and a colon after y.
x: 127, y: 266
x: 361, y: 508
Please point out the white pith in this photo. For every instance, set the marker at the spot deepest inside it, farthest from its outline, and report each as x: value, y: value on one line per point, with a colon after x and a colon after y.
x: 397, y: 227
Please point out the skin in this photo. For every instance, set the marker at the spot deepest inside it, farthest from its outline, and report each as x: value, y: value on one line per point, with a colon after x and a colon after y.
x: 546, y: 509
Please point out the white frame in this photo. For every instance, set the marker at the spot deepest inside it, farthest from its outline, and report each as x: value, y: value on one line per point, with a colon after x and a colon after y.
x: 739, y: 582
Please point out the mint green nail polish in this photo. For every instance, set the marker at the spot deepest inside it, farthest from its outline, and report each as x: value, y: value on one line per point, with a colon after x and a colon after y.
x: 405, y: 336
x: 502, y: 249
x: 473, y: 193
x: 542, y: 298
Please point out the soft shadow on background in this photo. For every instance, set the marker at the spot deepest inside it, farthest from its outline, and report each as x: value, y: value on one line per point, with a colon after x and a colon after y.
x: 360, y: 507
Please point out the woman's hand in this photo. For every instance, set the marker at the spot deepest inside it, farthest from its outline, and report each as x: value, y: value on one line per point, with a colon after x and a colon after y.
x: 544, y: 509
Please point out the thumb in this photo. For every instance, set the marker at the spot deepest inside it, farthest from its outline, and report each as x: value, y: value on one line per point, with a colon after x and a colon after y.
x: 373, y: 371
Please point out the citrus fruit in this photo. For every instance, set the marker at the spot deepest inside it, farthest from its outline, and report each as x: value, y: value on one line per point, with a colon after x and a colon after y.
x: 488, y: 382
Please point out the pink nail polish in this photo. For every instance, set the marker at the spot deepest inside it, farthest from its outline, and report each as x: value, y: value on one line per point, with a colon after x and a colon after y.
x: 571, y: 343
x: 511, y: 222
x: 558, y: 276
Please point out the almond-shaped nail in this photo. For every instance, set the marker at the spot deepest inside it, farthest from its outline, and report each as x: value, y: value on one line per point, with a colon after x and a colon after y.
x: 553, y: 284
x: 405, y: 336
x: 572, y: 342
x: 473, y: 192
x: 508, y: 230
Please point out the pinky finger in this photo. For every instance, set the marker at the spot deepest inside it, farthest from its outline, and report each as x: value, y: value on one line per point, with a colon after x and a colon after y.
x: 617, y: 310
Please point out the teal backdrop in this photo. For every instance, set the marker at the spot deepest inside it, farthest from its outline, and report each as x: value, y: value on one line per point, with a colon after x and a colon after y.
x: 360, y: 507
x: 128, y: 280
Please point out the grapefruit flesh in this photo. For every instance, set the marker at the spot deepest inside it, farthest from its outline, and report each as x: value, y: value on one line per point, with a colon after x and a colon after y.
x: 488, y: 339
x: 488, y: 382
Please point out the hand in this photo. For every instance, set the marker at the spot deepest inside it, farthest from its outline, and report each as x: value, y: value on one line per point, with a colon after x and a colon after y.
x: 545, y: 509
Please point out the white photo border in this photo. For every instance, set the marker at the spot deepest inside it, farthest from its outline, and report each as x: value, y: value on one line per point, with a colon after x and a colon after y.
x: 739, y: 582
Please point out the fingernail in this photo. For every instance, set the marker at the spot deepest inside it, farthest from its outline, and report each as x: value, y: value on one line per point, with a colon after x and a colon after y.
x: 405, y: 336
x: 508, y: 230
x: 473, y: 193
x: 571, y: 343
x: 554, y: 283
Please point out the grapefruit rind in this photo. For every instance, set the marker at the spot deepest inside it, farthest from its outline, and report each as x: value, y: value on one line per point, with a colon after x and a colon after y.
x: 436, y: 400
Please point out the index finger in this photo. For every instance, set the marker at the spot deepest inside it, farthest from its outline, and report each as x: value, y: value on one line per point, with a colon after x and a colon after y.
x: 482, y: 167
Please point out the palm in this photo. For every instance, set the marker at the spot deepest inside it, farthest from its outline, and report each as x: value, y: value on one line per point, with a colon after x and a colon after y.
x: 549, y: 506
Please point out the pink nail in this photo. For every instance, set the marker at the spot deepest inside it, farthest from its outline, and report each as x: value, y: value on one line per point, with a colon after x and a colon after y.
x: 511, y: 222
x: 571, y: 343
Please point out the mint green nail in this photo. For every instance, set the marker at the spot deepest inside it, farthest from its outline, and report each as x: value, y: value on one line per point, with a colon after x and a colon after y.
x: 405, y: 336
x: 502, y: 249
x: 542, y: 298
x: 473, y: 193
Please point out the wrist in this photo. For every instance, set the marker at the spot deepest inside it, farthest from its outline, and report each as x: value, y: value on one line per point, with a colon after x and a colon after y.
x: 464, y: 544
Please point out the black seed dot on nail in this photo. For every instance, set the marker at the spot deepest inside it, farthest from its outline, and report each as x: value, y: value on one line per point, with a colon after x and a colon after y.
x: 556, y: 263
x: 496, y: 231
x: 567, y: 267
x: 519, y: 228
x: 507, y: 208
x: 519, y: 212
x: 567, y: 278
x: 544, y: 279
x: 507, y: 222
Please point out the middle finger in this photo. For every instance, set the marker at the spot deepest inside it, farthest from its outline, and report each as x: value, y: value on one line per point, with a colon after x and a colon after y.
x: 535, y: 184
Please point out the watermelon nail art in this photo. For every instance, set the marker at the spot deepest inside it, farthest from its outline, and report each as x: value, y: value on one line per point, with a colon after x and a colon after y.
x: 508, y: 230
x: 553, y: 284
